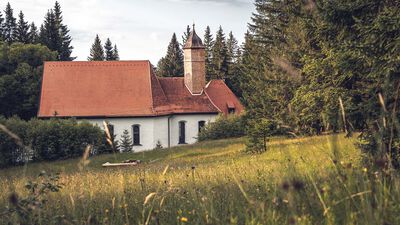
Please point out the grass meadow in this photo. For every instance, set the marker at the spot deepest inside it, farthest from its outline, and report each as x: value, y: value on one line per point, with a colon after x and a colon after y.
x: 313, y: 180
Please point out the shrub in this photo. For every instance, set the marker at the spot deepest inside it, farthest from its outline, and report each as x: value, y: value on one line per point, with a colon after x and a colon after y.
x: 224, y: 127
x: 47, y: 140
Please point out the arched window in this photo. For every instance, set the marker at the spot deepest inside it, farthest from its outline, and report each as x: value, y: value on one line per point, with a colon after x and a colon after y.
x: 136, y: 134
x: 182, y: 132
x: 201, y: 125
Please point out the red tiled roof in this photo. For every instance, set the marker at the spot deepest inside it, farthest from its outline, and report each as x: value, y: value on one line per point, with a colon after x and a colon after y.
x: 123, y: 89
x: 222, y: 97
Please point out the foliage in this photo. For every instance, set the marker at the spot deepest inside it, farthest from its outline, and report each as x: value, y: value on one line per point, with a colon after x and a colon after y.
x: 10, y: 25
x: 219, y: 59
x: 111, y: 53
x: 27, y: 210
x: 97, y: 51
x: 126, y: 143
x: 20, y: 77
x: 172, y: 64
x: 47, y: 140
x: 224, y: 127
x: 208, y: 44
x: 22, y: 30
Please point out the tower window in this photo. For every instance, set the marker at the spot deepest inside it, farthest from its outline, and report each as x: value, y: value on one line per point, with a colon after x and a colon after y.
x: 201, y: 125
x: 182, y: 132
x: 136, y: 134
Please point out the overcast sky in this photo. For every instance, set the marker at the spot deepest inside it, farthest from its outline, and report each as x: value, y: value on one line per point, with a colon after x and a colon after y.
x: 141, y: 29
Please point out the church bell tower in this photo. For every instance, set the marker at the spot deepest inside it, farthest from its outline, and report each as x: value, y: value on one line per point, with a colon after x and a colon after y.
x: 194, y: 64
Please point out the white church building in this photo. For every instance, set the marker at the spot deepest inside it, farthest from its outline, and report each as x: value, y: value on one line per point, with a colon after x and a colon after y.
x: 129, y: 96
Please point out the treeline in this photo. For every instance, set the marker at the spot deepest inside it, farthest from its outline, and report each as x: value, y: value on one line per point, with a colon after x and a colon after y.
x: 222, y: 57
x: 310, y: 67
x: 47, y: 140
x: 24, y: 49
x: 53, y: 33
x: 100, y: 53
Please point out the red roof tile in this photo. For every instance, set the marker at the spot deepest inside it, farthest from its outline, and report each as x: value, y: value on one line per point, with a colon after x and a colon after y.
x: 123, y: 89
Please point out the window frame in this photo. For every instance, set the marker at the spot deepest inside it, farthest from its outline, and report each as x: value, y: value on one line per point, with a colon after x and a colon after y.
x: 201, y: 124
x: 182, y: 132
x: 136, y: 141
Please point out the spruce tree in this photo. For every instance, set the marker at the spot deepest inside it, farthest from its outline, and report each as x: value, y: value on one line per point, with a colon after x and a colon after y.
x: 219, y: 60
x: 97, y: 51
x: 172, y: 64
x: 185, y: 35
x: 109, y: 51
x: 22, y: 31
x: 233, y: 54
x: 49, y: 32
x: 116, y: 53
x: 208, y: 43
x: 33, y: 34
x: 10, y: 25
x: 65, y: 49
x: 126, y: 143
x: 1, y: 27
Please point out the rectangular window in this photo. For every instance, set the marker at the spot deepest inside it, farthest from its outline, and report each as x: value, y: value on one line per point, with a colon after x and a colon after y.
x: 182, y: 132
x: 111, y: 130
x: 201, y: 125
x: 136, y: 134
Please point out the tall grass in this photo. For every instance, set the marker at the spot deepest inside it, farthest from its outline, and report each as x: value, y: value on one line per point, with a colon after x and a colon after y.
x: 315, y: 180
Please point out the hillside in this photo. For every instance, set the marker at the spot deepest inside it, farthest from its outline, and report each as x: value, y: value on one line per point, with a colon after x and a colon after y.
x: 308, y: 180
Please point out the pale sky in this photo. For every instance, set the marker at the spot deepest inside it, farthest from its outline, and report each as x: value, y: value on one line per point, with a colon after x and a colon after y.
x: 141, y: 29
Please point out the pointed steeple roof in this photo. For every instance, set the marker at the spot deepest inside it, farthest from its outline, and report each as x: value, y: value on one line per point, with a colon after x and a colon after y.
x: 193, y: 41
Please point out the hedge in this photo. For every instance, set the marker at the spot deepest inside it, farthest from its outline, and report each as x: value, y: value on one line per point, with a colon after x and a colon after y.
x: 47, y: 140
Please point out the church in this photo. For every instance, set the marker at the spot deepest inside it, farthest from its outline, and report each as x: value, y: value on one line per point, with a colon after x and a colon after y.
x: 129, y: 96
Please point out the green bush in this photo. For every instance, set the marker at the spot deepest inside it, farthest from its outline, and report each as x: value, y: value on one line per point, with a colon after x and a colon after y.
x: 46, y: 140
x: 224, y: 127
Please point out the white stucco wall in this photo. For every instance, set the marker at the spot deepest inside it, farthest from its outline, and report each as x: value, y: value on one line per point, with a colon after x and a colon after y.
x: 154, y: 129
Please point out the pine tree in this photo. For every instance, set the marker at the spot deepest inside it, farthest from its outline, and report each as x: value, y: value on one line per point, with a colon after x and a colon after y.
x: 109, y: 51
x: 65, y: 48
x: 97, y: 51
x: 1, y: 27
x: 126, y: 143
x: 208, y: 43
x: 172, y: 64
x: 116, y: 53
x: 185, y: 35
x: 219, y: 60
x: 10, y: 25
x: 22, y: 31
x: 233, y: 54
x: 49, y: 32
x: 33, y: 34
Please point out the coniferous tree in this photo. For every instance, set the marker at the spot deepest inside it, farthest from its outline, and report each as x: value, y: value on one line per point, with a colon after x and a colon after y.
x: 49, y: 32
x: 10, y: 25
x: 1, y: 27
x: 185, y: 35
x: 22, y: 31
x: 33, y: 34
x: 97, y: 51
x: 109, y: 51
x: 126, y: 142
x: 64, y: 48
x: 219, y: 60
x: 208, y: 43
x: 172, y: 64
x: 233, y: 55
x: 116, y: 53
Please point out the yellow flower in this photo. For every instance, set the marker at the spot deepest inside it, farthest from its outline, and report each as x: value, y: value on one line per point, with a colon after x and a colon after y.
x: 107, y: 211
x: 184, y: 219
x: 365, y: 170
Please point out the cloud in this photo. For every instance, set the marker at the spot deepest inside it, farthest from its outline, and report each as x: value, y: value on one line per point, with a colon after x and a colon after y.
x: 226, y: 2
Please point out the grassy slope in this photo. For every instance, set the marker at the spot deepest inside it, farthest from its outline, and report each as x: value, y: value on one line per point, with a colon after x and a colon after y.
x: 225, y: 186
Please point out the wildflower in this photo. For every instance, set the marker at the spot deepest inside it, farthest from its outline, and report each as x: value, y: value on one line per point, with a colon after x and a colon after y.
x: 184, y: 219
x: 13, y: 199
x: 107, y: 210
x: 365, y: 170
x: 193, y: 167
